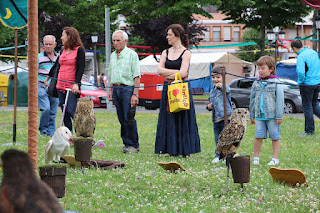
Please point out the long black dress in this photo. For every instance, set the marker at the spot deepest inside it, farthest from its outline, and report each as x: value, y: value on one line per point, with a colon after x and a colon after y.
x: 177, y: 133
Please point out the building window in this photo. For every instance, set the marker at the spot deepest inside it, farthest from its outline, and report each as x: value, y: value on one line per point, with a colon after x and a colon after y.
x: 227, y: 33
x: 211, y: 9
x: 206, y: 35
x: 216, y: 34
x: 236, y: 34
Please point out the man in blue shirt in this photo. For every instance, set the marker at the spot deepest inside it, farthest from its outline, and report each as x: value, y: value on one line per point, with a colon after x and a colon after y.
x: 308, y: 70
x: 48, y: 105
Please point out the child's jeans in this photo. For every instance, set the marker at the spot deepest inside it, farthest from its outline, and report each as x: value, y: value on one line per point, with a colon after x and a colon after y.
x: 217, y: 128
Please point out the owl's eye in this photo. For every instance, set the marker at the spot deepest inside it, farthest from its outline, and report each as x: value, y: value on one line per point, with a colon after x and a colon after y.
x: 239, y: 112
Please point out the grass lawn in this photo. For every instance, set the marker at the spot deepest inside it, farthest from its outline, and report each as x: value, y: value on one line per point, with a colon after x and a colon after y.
x: 143, y: 186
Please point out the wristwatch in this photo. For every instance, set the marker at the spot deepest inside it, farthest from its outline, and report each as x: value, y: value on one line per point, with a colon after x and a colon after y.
x: 136, y: 95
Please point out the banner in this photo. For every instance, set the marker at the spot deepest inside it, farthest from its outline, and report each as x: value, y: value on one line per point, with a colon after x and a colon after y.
x: 13, y: 13
x: 312, y: 3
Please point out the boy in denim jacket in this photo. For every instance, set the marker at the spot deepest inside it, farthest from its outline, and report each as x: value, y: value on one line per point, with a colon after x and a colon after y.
x: 216, y: 105
x: 266, y: 108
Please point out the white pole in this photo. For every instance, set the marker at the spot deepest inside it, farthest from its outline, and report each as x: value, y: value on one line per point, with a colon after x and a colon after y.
x: 108, y: 44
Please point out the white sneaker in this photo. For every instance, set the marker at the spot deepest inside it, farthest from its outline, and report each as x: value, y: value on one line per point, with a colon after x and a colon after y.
x: 215, y: 160
x: 255, y: 162
x: 273, y: 163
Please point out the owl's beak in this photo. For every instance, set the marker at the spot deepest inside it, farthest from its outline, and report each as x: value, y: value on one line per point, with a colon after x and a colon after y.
x: 71, y: 140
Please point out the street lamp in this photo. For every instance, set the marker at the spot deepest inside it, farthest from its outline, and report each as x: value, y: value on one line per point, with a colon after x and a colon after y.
x: 277, y: 36
x: 94, y: 39
x: 317, y: 19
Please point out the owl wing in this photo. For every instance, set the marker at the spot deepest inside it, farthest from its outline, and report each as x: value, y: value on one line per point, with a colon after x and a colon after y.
x: 230, y: 138
x: 48, y: 152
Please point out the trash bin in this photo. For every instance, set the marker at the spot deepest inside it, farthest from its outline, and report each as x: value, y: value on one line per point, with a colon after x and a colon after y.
x: 151, y: 90
x: 22, y: 89
x: 3, y: 90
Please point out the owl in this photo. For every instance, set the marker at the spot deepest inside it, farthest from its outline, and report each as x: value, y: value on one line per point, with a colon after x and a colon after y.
x: 84, y: 118
x: 58, y: 145
x: 231, y: 136
x: 21, y: 190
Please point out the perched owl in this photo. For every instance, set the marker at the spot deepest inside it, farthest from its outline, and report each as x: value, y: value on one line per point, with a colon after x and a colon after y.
x: 58, y: 145
x: 231, y: 136
x: 84, y: 118
x: 21, y: 190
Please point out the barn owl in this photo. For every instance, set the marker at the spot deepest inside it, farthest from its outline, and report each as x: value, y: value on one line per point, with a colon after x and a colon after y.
x: 59, y: 144
x: 21, y: 190
x: 84, y: 118
x: 231, y: 136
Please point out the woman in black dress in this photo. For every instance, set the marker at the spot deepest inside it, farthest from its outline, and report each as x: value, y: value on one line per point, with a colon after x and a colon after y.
x: 177, y: 133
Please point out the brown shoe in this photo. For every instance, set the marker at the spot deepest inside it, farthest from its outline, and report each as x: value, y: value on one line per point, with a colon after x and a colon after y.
x: 131, y: 149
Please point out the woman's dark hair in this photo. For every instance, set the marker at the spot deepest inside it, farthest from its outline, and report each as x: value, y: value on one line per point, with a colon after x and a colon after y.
x: 73, y: 38
x: 178, y: 31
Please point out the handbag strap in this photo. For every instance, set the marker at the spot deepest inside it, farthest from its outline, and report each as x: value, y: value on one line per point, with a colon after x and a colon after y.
x: 177, y: 77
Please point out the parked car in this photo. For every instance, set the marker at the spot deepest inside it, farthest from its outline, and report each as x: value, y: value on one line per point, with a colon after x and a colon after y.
x: 241, y: 89
x: 98, y: 96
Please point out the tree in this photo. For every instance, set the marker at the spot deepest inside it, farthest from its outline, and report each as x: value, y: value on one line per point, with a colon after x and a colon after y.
x: 262, y: 14
x: 7, y: 40
x: 247, y: 53
x: 149, y: 18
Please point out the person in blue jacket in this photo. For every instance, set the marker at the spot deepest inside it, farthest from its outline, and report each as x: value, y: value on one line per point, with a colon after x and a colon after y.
x: 216, y: 105
x: 308, y: 70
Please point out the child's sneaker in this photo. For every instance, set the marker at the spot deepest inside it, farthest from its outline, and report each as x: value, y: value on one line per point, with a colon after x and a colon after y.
x: 215, y: 160
x: 273, y: 162
x: 255, y: 161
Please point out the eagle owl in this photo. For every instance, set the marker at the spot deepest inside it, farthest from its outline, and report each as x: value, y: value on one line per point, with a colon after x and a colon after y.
x: 84, y: 118
x: 231, y: 136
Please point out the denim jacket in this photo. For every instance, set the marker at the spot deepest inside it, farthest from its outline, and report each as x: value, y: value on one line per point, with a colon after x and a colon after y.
x: 216, y: 98
x: 273, y: 99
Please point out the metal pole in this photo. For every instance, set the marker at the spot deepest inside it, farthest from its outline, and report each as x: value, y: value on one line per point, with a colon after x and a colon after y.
x: 108, y: 46
x: 276, y: 50
x: 224, y: 92
x: 15, y: 85
x: 95, y: 65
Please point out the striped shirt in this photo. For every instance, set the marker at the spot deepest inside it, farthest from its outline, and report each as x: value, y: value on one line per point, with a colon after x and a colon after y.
x: 125, y: 69
x: 45, y: 64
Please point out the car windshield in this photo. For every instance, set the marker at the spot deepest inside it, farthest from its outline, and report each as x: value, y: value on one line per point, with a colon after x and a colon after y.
x: 87, y: 86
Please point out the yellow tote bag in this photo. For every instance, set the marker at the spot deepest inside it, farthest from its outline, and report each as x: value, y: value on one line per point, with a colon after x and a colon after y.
x: 178, y: 95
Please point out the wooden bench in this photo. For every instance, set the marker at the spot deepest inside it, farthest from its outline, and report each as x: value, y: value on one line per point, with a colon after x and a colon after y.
x: 197, y: 91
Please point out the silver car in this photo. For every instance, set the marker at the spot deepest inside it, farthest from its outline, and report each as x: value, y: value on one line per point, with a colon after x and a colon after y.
x: 241, y: 89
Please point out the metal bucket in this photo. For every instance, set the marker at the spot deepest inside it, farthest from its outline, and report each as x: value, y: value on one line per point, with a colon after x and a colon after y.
x: 55, y: 178
x: 240, y: 169
x: 82, y: 148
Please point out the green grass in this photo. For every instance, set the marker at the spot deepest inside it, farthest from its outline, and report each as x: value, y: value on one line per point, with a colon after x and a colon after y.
x: 201, y: 97
x: 143, y: 186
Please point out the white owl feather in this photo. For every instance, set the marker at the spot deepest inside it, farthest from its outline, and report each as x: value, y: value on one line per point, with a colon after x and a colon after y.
x: 58, y: 145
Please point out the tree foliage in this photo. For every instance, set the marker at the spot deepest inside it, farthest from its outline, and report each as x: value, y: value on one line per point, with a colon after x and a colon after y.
x: 7, y: 40
x: 262, y: 14
x: 149, y: 18
x: 247, y: 53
